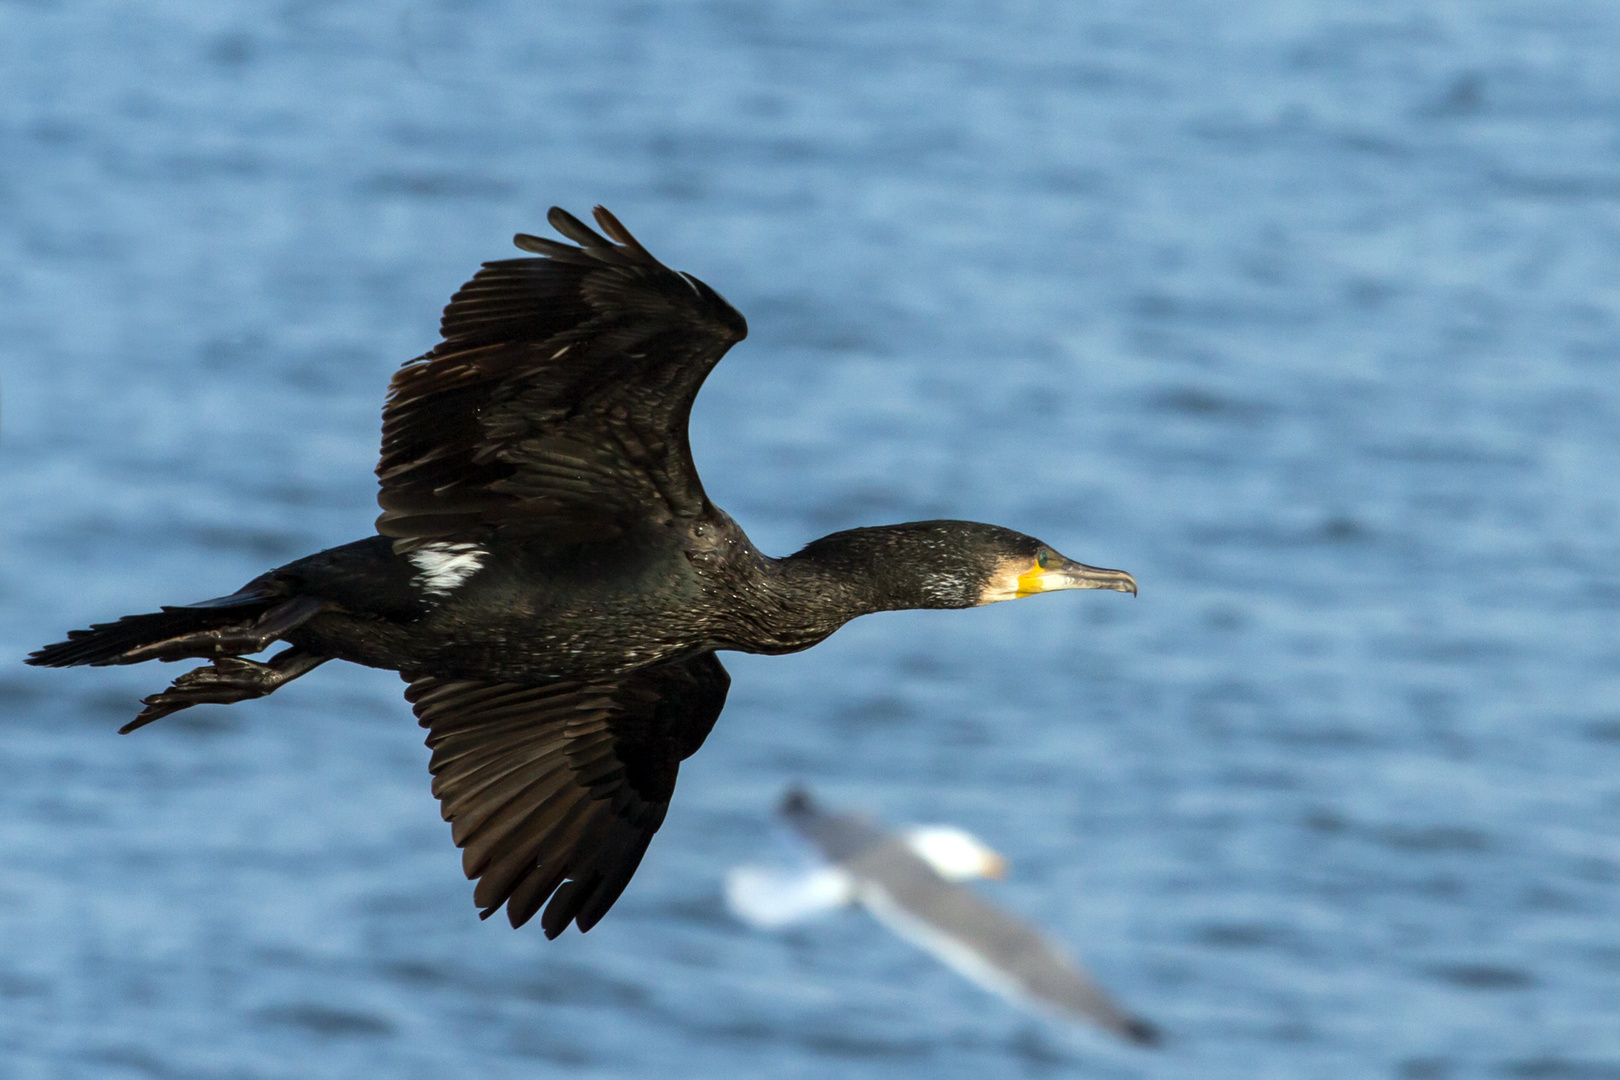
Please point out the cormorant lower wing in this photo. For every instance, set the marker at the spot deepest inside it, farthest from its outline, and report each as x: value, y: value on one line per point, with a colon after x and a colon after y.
x: 557, y: 403
x: 567, y: 780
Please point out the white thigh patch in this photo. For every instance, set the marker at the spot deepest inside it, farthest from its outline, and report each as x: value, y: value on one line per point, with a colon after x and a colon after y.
x: 444, y: 566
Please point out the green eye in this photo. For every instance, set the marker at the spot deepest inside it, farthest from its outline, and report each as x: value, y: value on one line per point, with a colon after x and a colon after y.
x: 1041, y: 556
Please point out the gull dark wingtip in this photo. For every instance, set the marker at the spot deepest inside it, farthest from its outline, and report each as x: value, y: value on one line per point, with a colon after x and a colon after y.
x: 1143, y: 1033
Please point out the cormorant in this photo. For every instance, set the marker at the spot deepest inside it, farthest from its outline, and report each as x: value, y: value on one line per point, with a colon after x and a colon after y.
x: 550, y: 578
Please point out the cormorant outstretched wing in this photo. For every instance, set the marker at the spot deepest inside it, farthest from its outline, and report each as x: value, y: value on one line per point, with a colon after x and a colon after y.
x: 556, y: 790
x: 557, y: 403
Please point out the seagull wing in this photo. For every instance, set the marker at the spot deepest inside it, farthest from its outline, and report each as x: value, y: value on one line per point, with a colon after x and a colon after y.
x: 767, y: 897
x: 557, y: 403
x: 992, y: 948
x: 556, y: 790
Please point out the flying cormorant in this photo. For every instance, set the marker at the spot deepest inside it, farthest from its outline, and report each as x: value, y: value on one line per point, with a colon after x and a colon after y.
x: 550, y: 578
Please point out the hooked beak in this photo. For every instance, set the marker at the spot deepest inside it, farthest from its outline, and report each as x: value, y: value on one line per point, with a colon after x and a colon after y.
x: 1068, y: 574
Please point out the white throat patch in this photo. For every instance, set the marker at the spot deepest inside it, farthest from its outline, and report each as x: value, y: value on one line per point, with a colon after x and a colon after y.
x: 444, y: 566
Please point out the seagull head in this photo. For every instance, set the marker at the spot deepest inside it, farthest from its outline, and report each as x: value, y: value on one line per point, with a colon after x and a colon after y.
x: 955, y: 854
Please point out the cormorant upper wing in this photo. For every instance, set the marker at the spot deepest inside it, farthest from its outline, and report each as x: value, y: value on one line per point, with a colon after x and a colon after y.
x: 556, y: 790
x: 557, y: 403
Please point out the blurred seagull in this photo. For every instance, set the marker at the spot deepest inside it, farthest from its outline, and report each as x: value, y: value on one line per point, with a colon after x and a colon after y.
x: 908, y: 881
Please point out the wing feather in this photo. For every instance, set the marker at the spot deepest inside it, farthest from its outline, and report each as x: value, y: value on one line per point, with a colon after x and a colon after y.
x: 512, y: 852
x: 529, y: 810
x: 531, y: 892
x: 472, y: 808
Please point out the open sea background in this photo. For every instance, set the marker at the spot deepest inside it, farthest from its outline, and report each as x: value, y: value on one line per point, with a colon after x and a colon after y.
x: 1304, y: 312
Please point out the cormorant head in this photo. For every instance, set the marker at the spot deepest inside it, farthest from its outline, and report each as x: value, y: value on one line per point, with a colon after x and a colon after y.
x: 954, y: 564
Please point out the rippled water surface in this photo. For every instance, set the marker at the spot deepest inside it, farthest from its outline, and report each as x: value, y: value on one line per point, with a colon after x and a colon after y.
x: 1304, y: 313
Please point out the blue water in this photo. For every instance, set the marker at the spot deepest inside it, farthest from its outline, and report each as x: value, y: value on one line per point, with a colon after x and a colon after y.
x: 1307, y: 314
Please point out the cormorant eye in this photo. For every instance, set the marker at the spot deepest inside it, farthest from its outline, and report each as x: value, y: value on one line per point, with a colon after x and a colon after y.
x: 1041, y: 556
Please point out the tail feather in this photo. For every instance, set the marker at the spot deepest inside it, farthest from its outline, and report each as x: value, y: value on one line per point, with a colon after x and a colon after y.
x: 254, y: 594
x: 129, y: 640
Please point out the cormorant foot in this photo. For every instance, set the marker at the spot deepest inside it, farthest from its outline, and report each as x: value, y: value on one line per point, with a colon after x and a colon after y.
x: 224, y: 682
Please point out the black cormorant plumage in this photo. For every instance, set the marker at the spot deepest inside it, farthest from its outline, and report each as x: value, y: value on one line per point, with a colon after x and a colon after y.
x: 551, y: 580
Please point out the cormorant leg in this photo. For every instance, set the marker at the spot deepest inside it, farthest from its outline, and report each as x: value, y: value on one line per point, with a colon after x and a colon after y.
x: 224, y: 682
x: 232, y: 640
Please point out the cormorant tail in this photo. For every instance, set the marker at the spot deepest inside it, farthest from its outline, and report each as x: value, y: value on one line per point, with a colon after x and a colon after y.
x: 244, y: 622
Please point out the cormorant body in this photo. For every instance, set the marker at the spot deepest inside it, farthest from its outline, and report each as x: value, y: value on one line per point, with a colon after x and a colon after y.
x: 550, y: 577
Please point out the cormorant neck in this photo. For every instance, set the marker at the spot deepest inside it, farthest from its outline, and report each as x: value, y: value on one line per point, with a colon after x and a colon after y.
x: 822, y: 591
x: 792, y: 603
x: 797, y: 601
x: 919, y: 564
